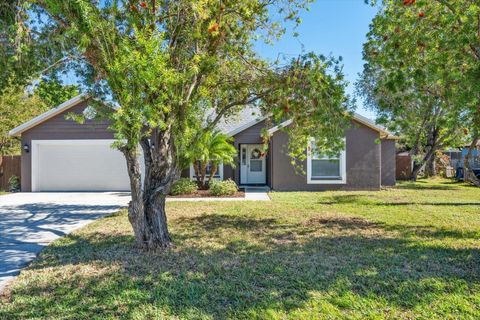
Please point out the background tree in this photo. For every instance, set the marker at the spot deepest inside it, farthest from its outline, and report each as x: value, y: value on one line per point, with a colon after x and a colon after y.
x: 425, y: 122
x: 424, y: 56
x: 27, y: 47
x: 16, y: 107
x: 212, y: 149
x: 176, y: 68
x: 53, y: 92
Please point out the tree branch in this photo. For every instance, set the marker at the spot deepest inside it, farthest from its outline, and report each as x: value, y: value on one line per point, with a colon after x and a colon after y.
x: 231, y: 105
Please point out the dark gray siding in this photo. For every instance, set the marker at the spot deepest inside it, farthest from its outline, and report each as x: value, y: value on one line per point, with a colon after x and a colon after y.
x: 362, y: 163
x: 59, y: 128
x: 388, y: 162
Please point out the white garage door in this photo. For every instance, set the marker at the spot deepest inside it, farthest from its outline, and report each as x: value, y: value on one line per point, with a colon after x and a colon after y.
x: 78, y: 165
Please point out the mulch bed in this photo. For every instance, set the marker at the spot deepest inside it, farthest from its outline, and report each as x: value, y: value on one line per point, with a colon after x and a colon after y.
x: 206, y: 194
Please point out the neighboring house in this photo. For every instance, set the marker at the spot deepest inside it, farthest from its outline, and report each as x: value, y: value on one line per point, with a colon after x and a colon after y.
x: 63, y: 155
x: 457, y: 156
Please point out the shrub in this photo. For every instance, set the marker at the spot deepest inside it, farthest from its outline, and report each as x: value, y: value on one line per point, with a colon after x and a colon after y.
x: 14, y: 184
x: 223, y: 188
x: 183, y: 186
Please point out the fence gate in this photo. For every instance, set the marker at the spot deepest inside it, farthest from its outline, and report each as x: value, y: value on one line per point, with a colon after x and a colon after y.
x: 9, y: 166
x: 404, y: 166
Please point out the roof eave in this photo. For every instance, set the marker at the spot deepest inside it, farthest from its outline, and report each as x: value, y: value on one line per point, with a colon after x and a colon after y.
x: 48, y: 115
x: 245, y: 126
x: 384, y: 134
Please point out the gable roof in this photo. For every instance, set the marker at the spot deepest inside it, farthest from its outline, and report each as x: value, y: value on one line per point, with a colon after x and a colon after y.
x: 247, y: 118
x: 48, y: 115
x: 384, y: 133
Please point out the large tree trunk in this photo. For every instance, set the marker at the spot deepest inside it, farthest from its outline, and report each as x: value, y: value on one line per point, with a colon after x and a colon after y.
x: 430, y: 170
x: 468, y: 174
x: 146, y: 211
x: 432, y: 145
x: 417, y: 166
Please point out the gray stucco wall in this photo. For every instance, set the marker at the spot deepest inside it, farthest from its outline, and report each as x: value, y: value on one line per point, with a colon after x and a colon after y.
x: 388, y: 162
x: 362, y: 163
x: 59, y: 128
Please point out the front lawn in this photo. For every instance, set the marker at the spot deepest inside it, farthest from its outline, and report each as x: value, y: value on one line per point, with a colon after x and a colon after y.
x: 408, y: 252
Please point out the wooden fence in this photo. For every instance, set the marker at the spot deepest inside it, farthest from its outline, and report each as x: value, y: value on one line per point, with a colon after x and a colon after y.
x: 9, y: 166
x: 404, y: 166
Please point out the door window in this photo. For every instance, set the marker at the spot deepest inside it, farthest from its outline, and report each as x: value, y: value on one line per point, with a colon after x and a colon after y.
x: 256, y: 162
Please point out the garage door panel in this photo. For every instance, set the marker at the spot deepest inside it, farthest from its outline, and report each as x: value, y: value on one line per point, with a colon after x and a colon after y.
x: 79, y: 166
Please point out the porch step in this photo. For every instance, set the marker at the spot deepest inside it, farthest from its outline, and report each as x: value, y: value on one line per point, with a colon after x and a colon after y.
x: 257, y: 193
x: 255, y: 188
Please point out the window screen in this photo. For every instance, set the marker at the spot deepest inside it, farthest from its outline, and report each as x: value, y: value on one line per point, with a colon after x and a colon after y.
x: 325, y: 168
x: 256, y: 165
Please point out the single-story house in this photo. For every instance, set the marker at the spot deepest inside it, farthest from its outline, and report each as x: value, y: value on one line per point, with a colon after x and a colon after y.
x: 457, y: 156
x: 64, y: 155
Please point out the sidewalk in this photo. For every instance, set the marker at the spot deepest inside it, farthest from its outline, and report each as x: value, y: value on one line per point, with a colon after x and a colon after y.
x: 251, y: 194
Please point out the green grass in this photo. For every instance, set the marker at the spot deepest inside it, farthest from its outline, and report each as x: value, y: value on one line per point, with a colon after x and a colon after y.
x: 408, y: 252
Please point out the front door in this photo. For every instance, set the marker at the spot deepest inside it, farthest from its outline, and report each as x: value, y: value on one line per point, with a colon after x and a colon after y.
x: 253, y: 165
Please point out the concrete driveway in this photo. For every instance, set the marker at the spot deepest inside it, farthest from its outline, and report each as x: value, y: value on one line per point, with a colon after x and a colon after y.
x: 30, y: 221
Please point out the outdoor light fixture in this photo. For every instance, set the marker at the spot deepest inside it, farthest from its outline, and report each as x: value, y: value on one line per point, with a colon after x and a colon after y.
x: 26, y: 148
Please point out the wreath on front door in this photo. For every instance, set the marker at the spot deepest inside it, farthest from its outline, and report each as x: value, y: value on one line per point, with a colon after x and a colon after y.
x: 256, y: 154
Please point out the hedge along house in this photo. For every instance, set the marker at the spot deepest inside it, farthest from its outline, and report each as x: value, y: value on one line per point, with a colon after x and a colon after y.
x: 63, y: 155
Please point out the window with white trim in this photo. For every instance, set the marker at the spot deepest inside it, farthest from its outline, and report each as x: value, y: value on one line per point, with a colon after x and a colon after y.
x: 324, y: 169
x: 218, y: 174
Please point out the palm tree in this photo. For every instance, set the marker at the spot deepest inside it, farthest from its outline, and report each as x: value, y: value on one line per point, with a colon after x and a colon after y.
x: 214, y: 148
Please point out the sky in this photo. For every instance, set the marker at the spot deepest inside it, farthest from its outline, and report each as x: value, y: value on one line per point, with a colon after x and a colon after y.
x: 336, y: 27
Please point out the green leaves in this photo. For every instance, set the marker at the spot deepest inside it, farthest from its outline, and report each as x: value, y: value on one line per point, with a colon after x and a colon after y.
x: 310, y: 91
x: 53, y: 92
x: 16, y: 107
x: 421, y: 59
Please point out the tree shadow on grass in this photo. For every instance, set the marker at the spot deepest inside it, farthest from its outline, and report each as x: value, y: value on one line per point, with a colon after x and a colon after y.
x: 265, y: 265
x: 428, y: 185
x: 368, y: 200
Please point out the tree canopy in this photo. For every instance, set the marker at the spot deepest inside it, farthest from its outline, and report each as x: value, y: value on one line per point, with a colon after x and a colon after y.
x: 16, y: 107
x: 29, y: 47
x: 422, y: 70
x: 53, y: 92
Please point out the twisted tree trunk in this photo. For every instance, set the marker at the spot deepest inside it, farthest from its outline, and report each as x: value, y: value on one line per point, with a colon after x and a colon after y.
x: 146, y: 211
x: 432, y: 146
x: 430, y: 168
